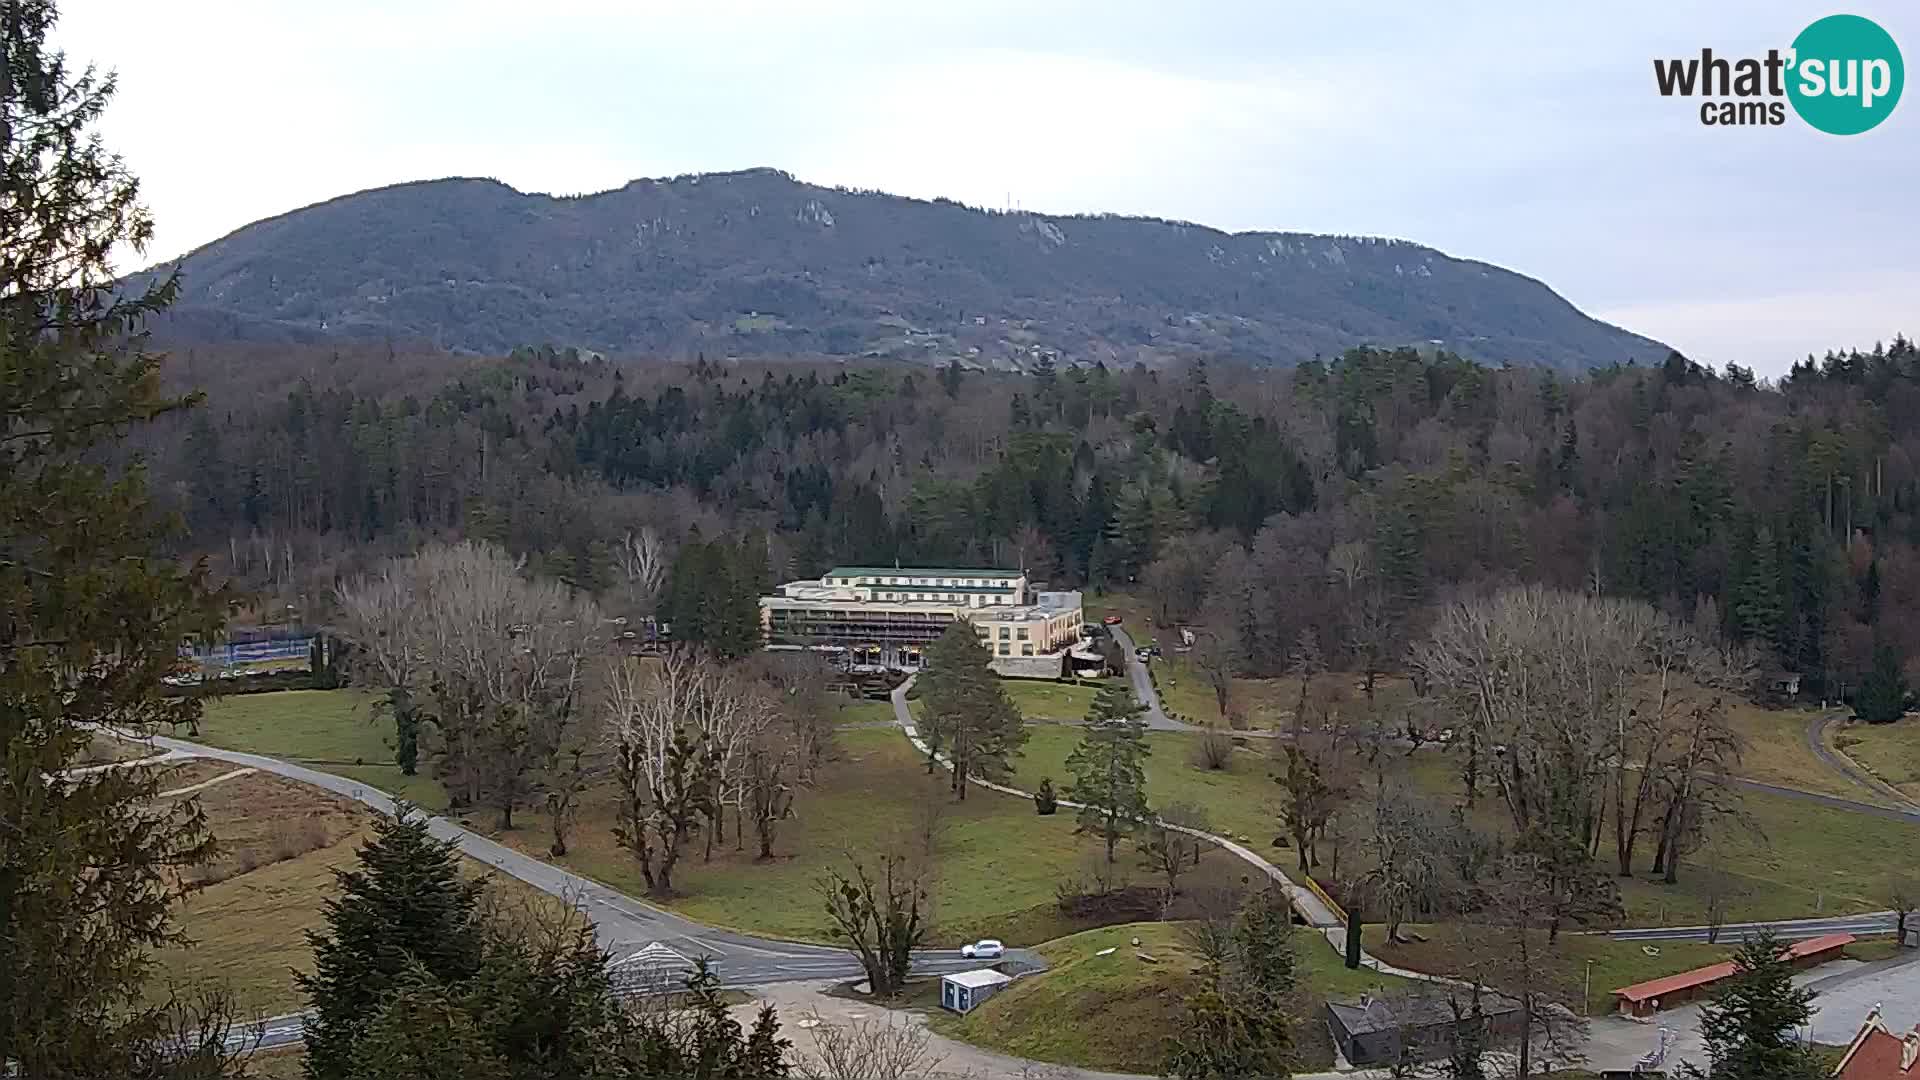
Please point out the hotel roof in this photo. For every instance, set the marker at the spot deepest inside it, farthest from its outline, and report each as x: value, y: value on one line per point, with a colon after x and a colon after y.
x: 918, y: 571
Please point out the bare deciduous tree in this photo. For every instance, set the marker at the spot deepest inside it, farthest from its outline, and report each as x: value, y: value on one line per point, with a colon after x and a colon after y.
x: 642, y: 558
x: 880, y: 914
x: 897, y: 1047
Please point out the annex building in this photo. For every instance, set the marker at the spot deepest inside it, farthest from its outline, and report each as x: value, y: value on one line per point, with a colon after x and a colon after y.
x: 876, y: 618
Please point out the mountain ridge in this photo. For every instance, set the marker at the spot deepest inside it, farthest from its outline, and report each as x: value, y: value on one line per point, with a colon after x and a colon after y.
x: 755, y: 262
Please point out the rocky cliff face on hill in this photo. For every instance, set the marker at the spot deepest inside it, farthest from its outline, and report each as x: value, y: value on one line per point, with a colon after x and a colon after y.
x: 756, y: 263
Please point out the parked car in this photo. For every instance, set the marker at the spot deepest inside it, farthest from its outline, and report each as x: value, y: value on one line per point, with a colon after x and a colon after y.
x: 984, y: 949
x: 1111, y: 620
x: 1143, y: 654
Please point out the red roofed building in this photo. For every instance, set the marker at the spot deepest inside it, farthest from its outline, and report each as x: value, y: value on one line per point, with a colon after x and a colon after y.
x: 1647, y: 998
x: 1879, y: 1054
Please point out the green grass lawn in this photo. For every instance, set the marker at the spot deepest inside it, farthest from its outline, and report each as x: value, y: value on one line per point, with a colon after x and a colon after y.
x: 1776, y: 752
x: 1115, y: 1011
x: 333, y: 730
x: 1793, y: 859
x: 863, y: 712
x: 1889, y: 751
x: 1039, y: 699
x: 1239, y: 800
x: 996, y: 861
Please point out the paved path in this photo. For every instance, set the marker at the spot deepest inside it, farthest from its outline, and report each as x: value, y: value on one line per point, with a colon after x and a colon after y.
x: 1323, y: 919
x: 622, y: 924
x: 1840, y: 762
x: 1872, y: 922
x: 205, y: 784
x: 1143, y: 688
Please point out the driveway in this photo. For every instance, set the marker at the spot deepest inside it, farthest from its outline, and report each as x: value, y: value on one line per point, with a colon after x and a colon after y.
x: 1143, y: 689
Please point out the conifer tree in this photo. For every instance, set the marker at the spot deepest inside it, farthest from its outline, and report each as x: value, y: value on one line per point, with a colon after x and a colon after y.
x: 1107, y: 770
x: 968, y: 714
x: 94, y: 616
x: 403, y: 913
x: 1751, y: 1028
x: 1882, y: 697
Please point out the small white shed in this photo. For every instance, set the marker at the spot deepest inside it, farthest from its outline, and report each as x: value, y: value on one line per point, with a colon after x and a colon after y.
x: 964, y: 991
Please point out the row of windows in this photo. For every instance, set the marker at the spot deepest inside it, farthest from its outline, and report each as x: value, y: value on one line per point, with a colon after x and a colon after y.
x: 954, y: 582
x: 932, y: 596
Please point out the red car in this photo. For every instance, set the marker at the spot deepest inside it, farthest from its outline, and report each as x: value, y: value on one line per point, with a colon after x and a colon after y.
x: 1111, y: 620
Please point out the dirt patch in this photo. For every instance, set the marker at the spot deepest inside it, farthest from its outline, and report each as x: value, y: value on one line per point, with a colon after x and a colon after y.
x: 260, y: 819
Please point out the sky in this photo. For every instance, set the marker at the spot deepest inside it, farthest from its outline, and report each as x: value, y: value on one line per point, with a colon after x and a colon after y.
x: 1519, y: 134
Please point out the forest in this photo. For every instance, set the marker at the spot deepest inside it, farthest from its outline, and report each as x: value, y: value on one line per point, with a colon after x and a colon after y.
x: 1338, y: 499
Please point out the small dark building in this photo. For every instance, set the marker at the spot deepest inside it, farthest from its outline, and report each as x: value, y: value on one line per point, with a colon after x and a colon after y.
x: 1413, y: 1027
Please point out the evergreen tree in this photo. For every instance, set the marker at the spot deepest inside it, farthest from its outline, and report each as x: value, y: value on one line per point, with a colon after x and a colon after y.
x: 404, y: 912
x: 968, y: 713
x: 96, y: 608
x: 1757, y: 607
x: 1107, y: 770
x: 1751, y: 1028
x: 1882, y: 697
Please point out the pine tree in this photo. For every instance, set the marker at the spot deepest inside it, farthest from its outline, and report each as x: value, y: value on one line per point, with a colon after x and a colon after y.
x: 969, y: 715
x: 1882, y: 697
x: 404, y: 911
x: 1757, y: 607
x: 1107, y: 770
x: 1751, y: 1028
x: 95, y: 610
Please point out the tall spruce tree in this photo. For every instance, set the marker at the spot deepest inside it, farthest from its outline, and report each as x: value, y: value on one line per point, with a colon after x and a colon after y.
x: 1882, y: 697
x: 404, y: 913
x: 1752, y: 1026
x: 968, y: 714
x: 1107, y: 770
x: 94, y: 616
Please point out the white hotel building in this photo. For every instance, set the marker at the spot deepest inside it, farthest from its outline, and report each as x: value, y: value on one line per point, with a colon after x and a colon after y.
x: 876, y: 617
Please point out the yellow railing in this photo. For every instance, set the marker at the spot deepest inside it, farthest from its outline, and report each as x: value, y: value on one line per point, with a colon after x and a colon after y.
x: 1338, y: 911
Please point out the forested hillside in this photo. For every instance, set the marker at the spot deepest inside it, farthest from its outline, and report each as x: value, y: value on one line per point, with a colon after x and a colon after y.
x: 758, y: 264
x: 1335, y: 498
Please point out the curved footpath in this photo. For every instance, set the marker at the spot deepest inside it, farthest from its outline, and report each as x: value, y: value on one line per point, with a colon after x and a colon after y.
x: 623, y: 925
x: 1306, y: 902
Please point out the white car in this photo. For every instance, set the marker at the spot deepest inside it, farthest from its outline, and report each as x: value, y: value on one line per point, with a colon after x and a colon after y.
x: 984, y: 949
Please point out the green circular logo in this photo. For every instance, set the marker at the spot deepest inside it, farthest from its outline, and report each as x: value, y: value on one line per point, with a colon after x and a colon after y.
x: 1846, y: 74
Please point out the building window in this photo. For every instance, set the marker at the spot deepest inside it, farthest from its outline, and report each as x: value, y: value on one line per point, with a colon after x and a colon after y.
x: 1003, y: 649
x: 1003, y: 633
x: 1026, y: 650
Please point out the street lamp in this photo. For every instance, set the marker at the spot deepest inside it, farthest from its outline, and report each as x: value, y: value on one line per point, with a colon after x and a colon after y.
x: 1586, y: 1002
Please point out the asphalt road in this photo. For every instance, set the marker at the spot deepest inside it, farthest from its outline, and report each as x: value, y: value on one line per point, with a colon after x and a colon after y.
x: 623, y: 925
x: 1879, y: 922
x: 1143, y: 689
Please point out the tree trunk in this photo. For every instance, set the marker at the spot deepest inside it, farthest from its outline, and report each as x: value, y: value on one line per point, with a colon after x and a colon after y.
x: 506, y: 816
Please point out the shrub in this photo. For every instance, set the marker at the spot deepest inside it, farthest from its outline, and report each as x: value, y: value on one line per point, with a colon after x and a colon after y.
x: 1213, y: 750
x: 1044, y: 801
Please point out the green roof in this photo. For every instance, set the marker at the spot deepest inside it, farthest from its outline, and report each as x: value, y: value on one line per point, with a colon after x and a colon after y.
x: 945, y: 588
x: 918, y: 571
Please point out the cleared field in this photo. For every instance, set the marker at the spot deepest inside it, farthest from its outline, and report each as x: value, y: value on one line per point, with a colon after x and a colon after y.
x: 995, y: 861
x: 335, y: 730
x: 1116, y: 1011
x: 1890, y: 751
x: 246, y: 925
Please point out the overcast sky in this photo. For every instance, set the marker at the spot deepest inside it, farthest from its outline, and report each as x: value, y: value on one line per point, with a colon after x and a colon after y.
x: 1520, y: 134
